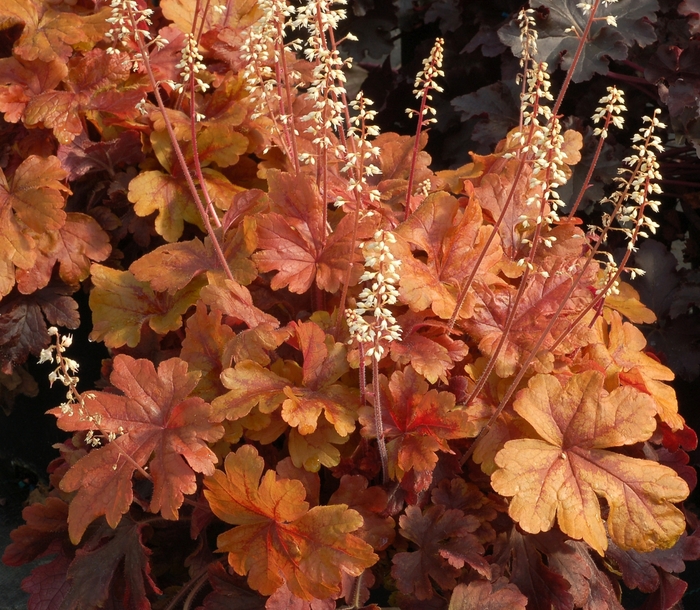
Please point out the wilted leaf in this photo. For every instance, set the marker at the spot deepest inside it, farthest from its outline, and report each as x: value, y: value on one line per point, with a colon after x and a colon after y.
x: 563, y: 474
x: 278, y: 539
x: 157, y: 424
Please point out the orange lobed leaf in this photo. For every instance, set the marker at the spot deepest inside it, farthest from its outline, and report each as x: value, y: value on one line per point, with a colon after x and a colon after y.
x: 95, y: 83
x: 21, y: 80
x: 172, y: 266
x: 279, y: 540
x: 561, y: 474
x: 155, y: 191
x: 427, y: 348
x: 204, y: 348
x: 78, y: 242
x: 302, y: 400
x: 292, y: 238
x: 540, y: 301
x: 158, y: 424
x: 49, y: 34
x: 453, y: 238
x: 619, y: 350
x: 121, y: 304
x: 417, y: 422
x: 32, y: 199
x: 370, y: 502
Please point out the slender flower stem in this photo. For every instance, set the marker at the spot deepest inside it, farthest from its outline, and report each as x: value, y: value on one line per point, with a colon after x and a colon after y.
x: 178, y: 153
x: 378, y: 422
x: 195, y: 157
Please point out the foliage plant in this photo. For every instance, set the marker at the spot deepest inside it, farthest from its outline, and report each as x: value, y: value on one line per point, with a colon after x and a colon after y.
x: 337, y: 377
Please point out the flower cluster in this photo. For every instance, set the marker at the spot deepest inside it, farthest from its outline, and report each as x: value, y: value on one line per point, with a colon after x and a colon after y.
x: 129, y: 22
x: 359, y: 150
x: 382, y: 272
x: 638, y: 181
x: 66, y: 372
x: 612, y: 106
x: 528, y: 35
x: 327, y: 88
x: 425, y: 81
x: 191, y: 65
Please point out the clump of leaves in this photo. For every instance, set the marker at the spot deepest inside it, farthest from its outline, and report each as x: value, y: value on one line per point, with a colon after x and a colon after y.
x: 336, y: 376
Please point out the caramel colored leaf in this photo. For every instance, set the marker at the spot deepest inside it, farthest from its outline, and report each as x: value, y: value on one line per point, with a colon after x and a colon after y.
x: 78, y: 242
x: 627, y: 303
x: 121, y: 304
x: 204, y: 347
x: 155, y: 191
x: 250, y: 385
x: 48, y: 34
x: 482, y: 595
x: 539, y: 303
x: 619, y: 349
x: 320, y: 448
x: 95, y: 83
x: 157, y: 424
x: 563, y: 474
x: 234, y: 300
x: 240, y: 13
x: 35, y: 194
x: 292, y: 238
x: 453, y: 239
x: 278, y: 540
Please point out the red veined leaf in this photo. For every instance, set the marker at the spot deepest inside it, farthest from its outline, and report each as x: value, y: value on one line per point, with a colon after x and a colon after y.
x: 157, y: 424
x: 562, y: 474
x: 417, y: 422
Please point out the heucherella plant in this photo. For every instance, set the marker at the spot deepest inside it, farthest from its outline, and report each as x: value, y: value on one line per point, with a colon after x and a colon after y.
x: 335, y: 377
